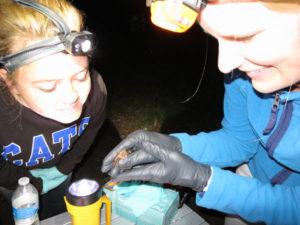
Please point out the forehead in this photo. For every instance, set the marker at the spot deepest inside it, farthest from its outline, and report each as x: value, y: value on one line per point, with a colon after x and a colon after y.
x: 57, y: 66
x: 231, y: 18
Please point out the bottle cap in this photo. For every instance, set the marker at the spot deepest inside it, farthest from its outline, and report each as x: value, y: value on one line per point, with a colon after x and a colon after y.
x: 23, y: 181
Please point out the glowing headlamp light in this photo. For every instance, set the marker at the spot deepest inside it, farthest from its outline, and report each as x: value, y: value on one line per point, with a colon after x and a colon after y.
x: 175, y: 15
x: 79, y: 43
x: 75, y: 43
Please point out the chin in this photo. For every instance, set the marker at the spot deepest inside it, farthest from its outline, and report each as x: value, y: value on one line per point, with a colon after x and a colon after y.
x: 66, y: 118
x: 265, y: 88
x: 69, y: 119
x: 66, y: 121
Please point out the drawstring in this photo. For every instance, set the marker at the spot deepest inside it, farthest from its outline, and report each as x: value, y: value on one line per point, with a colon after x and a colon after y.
x: 281, y: 176
x: 283, y: 124
x: 277, y: 135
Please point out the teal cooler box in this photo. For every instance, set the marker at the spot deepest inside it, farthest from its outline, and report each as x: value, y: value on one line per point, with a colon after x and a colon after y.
x: 143, y: 203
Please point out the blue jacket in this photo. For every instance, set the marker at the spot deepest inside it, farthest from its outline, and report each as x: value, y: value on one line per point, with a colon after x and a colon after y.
x: 273, y: 156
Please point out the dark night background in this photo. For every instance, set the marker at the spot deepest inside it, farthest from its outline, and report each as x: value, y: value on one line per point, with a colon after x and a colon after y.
x: 138, y: 60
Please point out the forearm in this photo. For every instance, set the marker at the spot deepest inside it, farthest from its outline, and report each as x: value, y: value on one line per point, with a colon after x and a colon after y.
x: 10, y: 173
x: 219, y: 148
x: 251, y: 199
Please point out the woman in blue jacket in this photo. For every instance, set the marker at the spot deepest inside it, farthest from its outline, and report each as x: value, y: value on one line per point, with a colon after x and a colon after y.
x: 259, y: 51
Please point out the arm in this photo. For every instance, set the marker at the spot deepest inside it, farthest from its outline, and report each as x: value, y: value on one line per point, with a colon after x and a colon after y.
x: 10, y: 174
x: 235, y: 142
x: 252, y: 199
x: 51, y: 178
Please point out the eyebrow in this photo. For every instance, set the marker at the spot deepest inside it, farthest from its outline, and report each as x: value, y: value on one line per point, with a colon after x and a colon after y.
x: 235, y: 37
x: 43, y: 81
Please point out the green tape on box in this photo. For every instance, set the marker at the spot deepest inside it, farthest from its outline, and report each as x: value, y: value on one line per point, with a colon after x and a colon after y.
x: 143, y: 203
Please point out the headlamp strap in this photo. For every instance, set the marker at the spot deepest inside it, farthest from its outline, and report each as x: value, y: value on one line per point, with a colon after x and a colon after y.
x: 53, y: 16
x: 196, y: 4
x: 75, y: 43
x: 32, y: 53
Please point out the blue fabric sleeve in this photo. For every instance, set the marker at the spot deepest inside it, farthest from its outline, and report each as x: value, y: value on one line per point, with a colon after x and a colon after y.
x: 235, y: 142
x: 252, y: 200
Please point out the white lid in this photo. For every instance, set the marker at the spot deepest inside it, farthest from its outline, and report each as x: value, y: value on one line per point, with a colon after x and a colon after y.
x: 23, y: 181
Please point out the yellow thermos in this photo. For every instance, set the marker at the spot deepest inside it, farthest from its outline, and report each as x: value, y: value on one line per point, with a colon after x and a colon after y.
x: 84, y: 200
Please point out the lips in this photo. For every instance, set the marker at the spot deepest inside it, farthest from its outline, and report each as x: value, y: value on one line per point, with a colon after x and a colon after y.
x: 256, y: 74
x: 70, y: 107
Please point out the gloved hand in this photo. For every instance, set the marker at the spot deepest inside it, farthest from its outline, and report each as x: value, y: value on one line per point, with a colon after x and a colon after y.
x: 157, y: 158
x: 51, y: 177
x: 139, y: 141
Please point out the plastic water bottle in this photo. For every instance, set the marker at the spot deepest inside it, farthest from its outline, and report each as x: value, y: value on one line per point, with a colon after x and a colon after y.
x: 25, y: 203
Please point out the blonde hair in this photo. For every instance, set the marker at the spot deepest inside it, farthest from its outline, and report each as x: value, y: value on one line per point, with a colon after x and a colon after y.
x: 20, y: 24
x: 282, y: 5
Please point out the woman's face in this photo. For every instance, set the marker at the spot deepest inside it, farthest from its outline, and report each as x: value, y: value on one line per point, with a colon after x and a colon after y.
x: 252, y: 38
x: 55, y: 87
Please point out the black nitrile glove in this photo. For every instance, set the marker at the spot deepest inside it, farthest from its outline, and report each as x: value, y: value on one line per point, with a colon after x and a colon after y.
x: 137, y: 141
x: 157, y: 158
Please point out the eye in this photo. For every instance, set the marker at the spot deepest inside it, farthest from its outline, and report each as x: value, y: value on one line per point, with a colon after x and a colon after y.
x: 82, y: 76
x: 47, y: 86
x: 241, y: 38
x: 245, y: 39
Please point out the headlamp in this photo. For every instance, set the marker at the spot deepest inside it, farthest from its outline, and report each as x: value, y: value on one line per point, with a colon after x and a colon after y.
x: 175, y: 15
x: 79, y: 43
x: 75, y: 43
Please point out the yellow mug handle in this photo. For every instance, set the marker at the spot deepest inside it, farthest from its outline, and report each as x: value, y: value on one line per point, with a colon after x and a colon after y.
x: 107, y: 203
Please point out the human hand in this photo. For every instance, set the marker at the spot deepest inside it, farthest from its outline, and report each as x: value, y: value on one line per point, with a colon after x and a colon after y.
x: 51, y: 177
x: 138, y: 141
x: 157, y: 161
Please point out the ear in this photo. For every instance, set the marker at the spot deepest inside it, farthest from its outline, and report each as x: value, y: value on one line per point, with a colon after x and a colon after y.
x: 3, y: 75
x: 8, y: 82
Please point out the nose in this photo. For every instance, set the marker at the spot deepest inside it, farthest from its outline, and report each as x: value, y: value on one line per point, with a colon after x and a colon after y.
x: 230, y: 56
x: 70, y: 94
